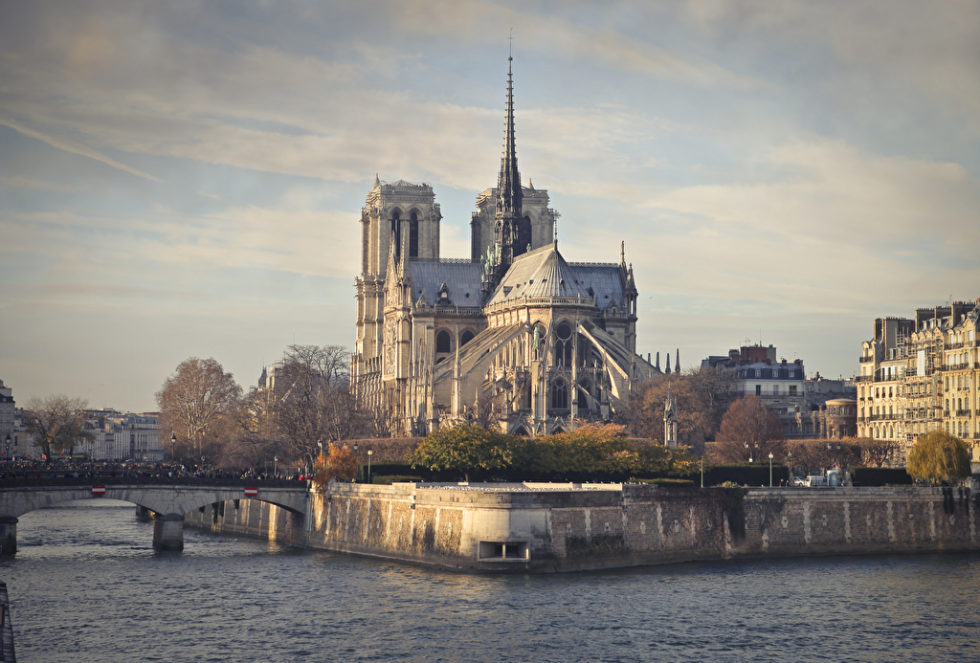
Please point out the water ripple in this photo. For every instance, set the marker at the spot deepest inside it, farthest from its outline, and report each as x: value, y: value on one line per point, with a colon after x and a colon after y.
x: 86, y: 586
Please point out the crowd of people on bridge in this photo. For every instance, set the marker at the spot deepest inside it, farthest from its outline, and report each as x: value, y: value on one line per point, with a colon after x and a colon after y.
x: 66, y: 469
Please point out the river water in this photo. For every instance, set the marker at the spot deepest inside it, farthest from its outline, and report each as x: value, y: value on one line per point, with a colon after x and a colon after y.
x: 86, y: 586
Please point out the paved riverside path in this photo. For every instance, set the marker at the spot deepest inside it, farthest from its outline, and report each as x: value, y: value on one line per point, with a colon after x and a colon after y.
x: 169, y: 498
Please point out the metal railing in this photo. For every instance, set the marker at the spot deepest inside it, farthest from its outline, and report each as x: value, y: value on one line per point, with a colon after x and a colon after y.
x: 20, y: 480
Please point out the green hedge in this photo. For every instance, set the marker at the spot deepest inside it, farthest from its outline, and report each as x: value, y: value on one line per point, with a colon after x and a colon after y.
x: 667, y: 482
x: 880, y: 476
x: 387, y: 479
x: 754, y: 474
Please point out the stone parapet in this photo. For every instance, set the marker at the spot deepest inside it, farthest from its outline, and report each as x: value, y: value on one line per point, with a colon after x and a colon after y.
x: 566, y: 527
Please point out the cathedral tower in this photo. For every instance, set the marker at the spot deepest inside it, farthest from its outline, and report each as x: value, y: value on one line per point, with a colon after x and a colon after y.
x: 397, y: 217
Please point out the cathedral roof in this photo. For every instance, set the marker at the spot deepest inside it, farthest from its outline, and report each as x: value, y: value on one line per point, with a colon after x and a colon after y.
x: 604, y: 281
x: 541, y: 273
x: 544, y: 273
x: 462, y: 278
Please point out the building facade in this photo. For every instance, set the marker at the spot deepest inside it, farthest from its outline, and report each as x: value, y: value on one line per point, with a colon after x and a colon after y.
x: 806, y: 408
x: 7, y: 408
x: 113, y: 436
x: 922, y: 374
x: 513, y: 336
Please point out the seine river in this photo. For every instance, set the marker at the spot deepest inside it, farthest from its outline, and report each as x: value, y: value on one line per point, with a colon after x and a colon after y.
x: 87, y: 586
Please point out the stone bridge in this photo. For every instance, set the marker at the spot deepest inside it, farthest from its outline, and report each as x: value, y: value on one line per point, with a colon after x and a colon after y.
x: 168, y: 501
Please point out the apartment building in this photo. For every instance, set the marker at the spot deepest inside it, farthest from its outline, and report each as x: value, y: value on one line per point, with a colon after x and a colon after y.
x: 922, y: 374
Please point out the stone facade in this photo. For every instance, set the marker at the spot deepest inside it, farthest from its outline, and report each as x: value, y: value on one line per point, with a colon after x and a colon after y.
x: 922, y: 374
x: 513, y: 336
x: 114, y: 436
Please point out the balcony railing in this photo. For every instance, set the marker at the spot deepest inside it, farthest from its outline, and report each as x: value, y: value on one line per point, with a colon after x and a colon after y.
x: 962, y: 413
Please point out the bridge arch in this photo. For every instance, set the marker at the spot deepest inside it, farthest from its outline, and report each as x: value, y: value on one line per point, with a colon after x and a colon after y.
x: 169, y: 502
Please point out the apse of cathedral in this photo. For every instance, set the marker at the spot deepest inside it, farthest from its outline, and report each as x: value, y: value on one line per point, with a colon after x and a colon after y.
x: 513, y: 337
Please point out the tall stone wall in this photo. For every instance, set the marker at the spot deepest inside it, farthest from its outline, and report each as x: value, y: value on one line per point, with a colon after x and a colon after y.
x: 550, y: 528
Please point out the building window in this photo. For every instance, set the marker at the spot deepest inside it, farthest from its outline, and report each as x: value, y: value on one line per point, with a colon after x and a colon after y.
x: 396, y: 233
x: 792, y: 390
x: 559, y: 395
x: 465, y: 338
x: 413, y: 235
x: 758, y: 390
x: 444, y: 342
x: 563, y: 344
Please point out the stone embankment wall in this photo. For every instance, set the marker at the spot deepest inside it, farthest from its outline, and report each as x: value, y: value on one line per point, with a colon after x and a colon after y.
x: 546, y: 527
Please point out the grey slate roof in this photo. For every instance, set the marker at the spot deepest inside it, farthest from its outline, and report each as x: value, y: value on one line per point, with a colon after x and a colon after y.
x: 605, y: 281
x: 463, y: 278
x: 543, y: 272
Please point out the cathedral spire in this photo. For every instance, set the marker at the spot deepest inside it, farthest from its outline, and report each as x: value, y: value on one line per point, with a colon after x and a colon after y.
x: 509, y: 195
x: 512, y: 235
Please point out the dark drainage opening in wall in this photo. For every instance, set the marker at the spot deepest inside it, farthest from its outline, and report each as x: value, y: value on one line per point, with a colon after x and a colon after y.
x: 510, y: 551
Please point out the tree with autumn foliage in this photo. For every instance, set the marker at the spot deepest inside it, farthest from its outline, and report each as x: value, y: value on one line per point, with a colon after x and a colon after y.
x: 339, y: 463
x: 939, y: 456
x: 749, y: 429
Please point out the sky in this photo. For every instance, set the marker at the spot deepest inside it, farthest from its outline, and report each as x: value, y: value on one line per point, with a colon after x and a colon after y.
x: 185, y: 179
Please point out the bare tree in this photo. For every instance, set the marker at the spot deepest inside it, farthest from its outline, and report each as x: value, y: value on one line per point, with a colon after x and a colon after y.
x: 876, y: 453
x: 749, y: 429
x: 57, y: 423
x: 701, y: 396
x: 310, y: 400
x: 254, y: 439
x: 198, y: 403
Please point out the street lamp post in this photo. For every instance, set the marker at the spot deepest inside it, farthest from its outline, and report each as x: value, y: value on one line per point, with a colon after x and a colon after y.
x: 173, y: 443
x: 275, y: 467
x: 770, y: 469
x: 358, y: 459
x: 6, y: 447
x: 370, y: 453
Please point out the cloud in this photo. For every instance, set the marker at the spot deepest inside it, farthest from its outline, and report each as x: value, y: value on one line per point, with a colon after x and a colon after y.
x: 830, y: 191
x: 74, y: 148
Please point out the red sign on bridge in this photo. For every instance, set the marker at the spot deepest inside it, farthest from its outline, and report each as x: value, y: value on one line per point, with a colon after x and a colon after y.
x: 251, y: 492
x: 98, y: 491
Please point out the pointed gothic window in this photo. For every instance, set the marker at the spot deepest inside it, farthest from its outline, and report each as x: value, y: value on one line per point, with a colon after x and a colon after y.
x: 563, y: 345
x: 444, y: 342
x: 413, y: 235
x: 559, y: 395
x: 396, y: 233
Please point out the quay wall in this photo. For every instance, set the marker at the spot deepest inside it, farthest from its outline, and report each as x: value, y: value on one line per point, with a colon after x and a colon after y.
x: 548, y: 527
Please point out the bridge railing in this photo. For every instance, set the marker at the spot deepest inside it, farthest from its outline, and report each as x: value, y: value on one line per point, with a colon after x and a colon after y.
x: 40, y: 479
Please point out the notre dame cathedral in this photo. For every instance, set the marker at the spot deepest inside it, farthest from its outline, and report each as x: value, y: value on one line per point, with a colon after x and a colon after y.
x: 512, y: 337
